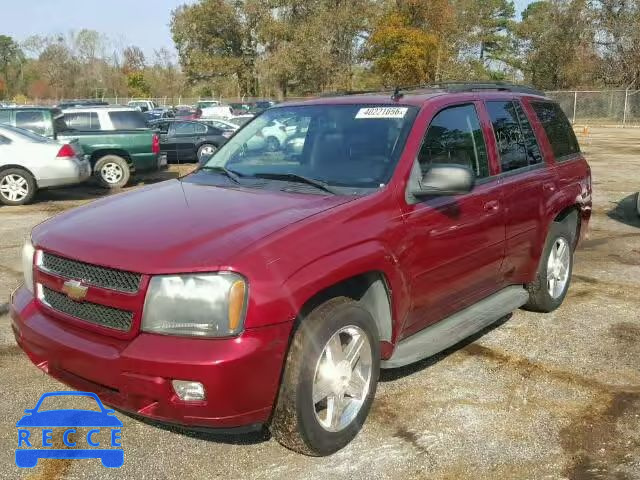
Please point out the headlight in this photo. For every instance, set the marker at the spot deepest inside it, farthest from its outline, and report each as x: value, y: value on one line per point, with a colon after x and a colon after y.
x: 207, y: 305
x: 27, y: 264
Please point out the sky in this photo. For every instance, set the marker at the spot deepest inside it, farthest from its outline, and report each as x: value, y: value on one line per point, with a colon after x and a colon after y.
x: 144, y: 23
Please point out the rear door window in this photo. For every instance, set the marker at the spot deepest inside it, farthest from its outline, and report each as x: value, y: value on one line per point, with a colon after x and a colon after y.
x: 184, y: 129
x: 455, y: 136
x: 127, y: 120
x: 558, y: 129
x: 516, y: 142
x: 82, y: 120
x: 33, y: 120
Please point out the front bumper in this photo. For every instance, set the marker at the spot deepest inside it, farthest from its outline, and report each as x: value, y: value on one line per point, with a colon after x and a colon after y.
x: 241, y: 375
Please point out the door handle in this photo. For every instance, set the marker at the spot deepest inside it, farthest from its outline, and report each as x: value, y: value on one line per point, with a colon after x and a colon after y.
x: 492, y: 206
x: 550, y: 187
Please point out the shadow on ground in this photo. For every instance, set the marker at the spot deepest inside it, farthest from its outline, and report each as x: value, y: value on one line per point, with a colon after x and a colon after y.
x: 625, y: 212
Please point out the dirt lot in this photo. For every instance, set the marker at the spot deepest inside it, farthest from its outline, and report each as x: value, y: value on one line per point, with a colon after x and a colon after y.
x: 537, y: 396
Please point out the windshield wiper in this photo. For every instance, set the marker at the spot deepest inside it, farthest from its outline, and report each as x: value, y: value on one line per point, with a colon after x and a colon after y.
x: 294, y: 177
x: 224, y: 170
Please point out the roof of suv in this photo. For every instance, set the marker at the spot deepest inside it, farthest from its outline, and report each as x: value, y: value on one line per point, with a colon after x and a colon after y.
x: 417, y: 95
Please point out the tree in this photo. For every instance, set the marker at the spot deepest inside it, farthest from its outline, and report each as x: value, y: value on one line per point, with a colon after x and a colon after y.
x: 137, y: 85
x: 217, y: 38
x: 133, y: 60
x: 401, y: 53
x: 11, y: 58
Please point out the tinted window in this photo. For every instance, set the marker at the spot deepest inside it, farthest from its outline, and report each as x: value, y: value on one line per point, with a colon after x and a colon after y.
x: 455, y: 136
x: 127, y: 120
x: 82, y: 120
x: 5, y: 116
x: 184, y: 128
x: 59, y: 124
x: 202, y: 129
x: 509, y: 136
x: 558, y: 129
x: 31, y: 120
x: 529, y: 138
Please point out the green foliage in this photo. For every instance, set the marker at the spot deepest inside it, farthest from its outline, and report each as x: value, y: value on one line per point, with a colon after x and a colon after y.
x: 137, y: 85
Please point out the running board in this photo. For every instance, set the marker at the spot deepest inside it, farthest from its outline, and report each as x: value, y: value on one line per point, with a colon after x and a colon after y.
x: 451, y: 330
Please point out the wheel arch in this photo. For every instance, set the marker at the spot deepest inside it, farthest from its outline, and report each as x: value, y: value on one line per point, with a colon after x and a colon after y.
x: 98, y: 154
x: 20, y: 167
x: 370, y: 289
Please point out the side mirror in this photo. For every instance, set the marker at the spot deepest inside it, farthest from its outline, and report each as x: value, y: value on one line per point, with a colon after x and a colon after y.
x: 445, y: 179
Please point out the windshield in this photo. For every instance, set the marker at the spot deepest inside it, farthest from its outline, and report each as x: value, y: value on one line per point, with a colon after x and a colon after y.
x: 352, y: 146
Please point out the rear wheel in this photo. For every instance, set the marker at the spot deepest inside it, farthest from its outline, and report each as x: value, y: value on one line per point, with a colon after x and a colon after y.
x: 206, y: 151
x: 17, y: 186
x: 330, y: 379
x: 548, y: 290
x: 638, y: 204
x: 112, y: 171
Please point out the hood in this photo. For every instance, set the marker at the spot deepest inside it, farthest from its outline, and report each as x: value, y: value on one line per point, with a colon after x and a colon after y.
x: 175, y: 226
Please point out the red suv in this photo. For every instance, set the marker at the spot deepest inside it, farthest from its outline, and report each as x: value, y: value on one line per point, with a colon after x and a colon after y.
x: 270, y: 286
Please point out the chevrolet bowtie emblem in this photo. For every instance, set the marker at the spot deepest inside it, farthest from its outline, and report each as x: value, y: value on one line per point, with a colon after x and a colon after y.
x: 75, y: 290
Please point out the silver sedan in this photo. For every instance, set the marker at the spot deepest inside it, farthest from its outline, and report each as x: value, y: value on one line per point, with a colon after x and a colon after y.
x: 29, y: 162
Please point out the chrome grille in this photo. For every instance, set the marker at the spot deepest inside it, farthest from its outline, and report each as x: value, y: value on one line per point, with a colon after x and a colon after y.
x: 89, y: 312
x: 91, y: 274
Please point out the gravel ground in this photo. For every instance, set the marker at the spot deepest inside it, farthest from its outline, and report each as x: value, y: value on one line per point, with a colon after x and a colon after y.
x: 536, y: 396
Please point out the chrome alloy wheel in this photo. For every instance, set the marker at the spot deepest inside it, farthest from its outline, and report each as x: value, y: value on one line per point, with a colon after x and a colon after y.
x: 14, y: 188
x: 558, y: 267
x: 206, y: 151
x: 342, y: 378
x: 111, y: 172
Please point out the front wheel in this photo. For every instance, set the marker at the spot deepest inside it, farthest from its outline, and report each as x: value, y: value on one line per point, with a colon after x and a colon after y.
x: 112, y: 171
x: 547, y: 291
x: 17, y: 186
x: 330, y: 379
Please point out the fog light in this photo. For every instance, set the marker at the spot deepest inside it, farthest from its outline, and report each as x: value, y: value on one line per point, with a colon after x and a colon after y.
x: 188, y: 391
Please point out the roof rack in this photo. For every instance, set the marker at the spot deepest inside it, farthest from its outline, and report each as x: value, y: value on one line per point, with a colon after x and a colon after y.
x: 477, y: 86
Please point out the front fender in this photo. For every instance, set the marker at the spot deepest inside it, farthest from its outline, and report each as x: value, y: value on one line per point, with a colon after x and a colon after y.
x: 324, y: 272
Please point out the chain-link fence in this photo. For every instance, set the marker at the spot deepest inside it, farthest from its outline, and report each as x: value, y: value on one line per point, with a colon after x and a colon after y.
x: 619, y: 108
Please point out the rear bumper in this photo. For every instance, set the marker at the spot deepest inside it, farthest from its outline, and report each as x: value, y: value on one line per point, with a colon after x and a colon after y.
x: 241, y: 375
x: 65, y: 172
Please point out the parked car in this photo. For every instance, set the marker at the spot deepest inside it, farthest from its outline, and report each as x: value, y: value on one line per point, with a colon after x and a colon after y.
x: 261, y: 106
x: 202, y: 104
x: 115, y: 154
x: 187, y: 113
x: 104, y: 118
x: 224, y: 125
x: 143, y: 105
x: 638, y: 203
x: 158, y: 114
x: 220, y: 111
x: 267, y: 289
x: 30, y: 162
x: 186, y: 142
x: 241, y: 120
x: 81, y: 103
x: 240, y: 108
x: 272, y: 137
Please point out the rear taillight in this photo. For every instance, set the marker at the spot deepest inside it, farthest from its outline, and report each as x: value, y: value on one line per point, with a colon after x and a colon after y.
x: 66, y: 151
x: 155, y: 144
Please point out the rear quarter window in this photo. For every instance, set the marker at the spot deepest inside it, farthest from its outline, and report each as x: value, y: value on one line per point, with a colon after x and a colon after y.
x: 5, y: 116
x: 33, y: 120
x: 127, y: 120
x: 558, y: 129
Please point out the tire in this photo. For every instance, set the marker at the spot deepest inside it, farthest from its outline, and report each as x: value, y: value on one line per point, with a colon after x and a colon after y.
x: 205, y: 151
x: 638, y: 204
x: 548, y: 290
x: 112, y: 171
x: 272, y: 144
x: 17, y: 186
x: 297, y: 421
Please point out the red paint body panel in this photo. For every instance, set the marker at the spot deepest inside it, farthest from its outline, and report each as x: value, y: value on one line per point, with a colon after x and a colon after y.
x: 437, y: 257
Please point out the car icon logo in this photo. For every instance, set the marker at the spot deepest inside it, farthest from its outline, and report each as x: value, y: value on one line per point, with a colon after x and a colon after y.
x: 35, y: 433
x: 75, y: 290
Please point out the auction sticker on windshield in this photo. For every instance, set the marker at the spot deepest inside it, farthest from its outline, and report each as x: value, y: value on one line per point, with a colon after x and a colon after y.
x: 382, y: 112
